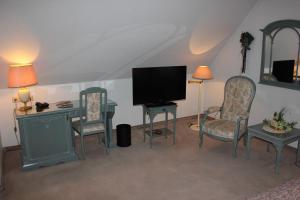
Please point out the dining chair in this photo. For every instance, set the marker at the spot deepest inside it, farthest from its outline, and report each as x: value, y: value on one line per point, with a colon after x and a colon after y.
x: 93, y: 116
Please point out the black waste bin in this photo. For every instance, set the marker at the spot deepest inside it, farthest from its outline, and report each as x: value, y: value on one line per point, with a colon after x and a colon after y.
x: 123, y: 135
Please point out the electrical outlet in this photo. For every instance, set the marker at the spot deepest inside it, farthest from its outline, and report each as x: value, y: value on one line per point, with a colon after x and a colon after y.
x: 15, y: 100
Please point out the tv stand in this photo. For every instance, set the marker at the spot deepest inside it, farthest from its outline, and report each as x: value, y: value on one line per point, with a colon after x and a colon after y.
x: 154, y: 109
x: 160, y: 104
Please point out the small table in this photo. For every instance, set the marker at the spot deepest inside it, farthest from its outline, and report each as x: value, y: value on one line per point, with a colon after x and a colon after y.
x: 152, y: 111
x: 278, y: 140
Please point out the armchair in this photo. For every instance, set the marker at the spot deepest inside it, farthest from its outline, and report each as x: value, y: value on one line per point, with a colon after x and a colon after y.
x: 239, y: 93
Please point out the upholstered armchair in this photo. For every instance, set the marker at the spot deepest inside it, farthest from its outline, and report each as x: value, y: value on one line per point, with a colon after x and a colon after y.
x: 232, y: 125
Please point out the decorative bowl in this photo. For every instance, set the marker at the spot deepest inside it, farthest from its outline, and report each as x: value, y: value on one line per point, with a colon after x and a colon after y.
x: 274, y: 131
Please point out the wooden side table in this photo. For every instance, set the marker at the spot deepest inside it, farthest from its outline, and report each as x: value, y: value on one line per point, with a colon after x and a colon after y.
x: 152, y: 111
x: 279, y: 141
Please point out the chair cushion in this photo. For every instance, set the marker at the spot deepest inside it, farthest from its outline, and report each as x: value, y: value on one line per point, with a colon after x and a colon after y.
x: 222, y: 128
x: 239, y: 93
x: 88, y: 128
x: 93, y: 106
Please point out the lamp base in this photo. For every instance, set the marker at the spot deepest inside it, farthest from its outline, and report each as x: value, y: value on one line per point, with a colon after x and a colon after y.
x: 194, y: 127
x: 25, y: 108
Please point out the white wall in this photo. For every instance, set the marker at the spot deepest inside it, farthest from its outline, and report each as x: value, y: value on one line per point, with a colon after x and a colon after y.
x: 228, y: 62
x: 74, y: 40
x: 118, y: 90
x: 71, y: 41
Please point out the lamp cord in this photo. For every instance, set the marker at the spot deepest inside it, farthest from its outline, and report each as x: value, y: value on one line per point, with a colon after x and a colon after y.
x: 15, y: 124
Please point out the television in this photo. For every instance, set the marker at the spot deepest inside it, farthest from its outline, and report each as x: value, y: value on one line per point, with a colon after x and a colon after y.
x: 158, y: 85
x: 283, y: 70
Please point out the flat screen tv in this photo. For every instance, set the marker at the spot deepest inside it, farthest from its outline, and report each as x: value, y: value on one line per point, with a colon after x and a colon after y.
x: 283, y: 70
x: 158, y: 85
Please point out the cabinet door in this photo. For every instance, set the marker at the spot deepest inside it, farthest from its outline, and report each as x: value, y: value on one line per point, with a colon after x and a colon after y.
x: 46, y: 137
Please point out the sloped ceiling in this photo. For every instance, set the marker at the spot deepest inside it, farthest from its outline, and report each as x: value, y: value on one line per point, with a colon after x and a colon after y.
x: 76, y: 40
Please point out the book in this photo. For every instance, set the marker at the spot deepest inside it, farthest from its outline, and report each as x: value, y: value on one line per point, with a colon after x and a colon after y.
x: 64, y: 104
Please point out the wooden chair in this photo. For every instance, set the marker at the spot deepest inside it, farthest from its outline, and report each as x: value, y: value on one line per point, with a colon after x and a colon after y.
x: 239, y: 93
x: 93, y: 116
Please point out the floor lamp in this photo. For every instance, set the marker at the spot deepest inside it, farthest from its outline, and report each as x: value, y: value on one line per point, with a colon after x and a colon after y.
x: 202, y: 73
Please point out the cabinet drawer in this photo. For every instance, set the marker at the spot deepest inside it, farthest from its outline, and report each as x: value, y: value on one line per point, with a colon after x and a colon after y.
x: 45, y: 136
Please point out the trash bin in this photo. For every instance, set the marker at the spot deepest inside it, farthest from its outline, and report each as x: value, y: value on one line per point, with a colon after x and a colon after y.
x: 123, y: 135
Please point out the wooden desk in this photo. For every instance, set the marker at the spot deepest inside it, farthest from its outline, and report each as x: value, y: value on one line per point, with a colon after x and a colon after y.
x: 46, y: 137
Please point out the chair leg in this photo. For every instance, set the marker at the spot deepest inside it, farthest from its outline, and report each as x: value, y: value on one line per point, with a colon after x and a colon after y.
x: 201, y: 138
x: 82, y: 147
x: 234, y: 148
x: 144, y: 124
x: 245, y: 139
x: 151, y: 132
x: 73, y: 138
x: 166, y: 124
x: 106, y: 143
x: 74, y: 144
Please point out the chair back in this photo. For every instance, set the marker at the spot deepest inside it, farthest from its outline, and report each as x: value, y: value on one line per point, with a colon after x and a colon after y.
x: 93, y: 106
x: 238, y: 96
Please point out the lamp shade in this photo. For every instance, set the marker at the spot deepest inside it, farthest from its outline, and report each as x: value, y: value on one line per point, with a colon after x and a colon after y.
x: 21, y: 76
x: 203, y: 73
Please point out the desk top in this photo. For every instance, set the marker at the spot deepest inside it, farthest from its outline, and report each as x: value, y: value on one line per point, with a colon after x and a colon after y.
x: 257, y: 129
x: 54, y: 109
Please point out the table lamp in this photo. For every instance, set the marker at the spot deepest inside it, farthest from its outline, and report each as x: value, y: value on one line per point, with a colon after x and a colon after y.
x: 202, y: 73
x: 21, y: 76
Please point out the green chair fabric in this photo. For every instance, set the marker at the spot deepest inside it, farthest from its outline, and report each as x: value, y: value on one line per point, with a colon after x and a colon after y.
x: 222, y: 128
x: 239, y: 93
x: 93, y: 115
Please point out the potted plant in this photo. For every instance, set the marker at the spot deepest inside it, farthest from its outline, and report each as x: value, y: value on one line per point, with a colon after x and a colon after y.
x: 278, y: 124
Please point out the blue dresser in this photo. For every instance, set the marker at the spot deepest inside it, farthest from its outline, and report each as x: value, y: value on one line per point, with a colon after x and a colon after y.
x: 46, y: 137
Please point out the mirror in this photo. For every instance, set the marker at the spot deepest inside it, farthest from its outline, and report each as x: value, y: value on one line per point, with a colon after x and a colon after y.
x: 280, y: 54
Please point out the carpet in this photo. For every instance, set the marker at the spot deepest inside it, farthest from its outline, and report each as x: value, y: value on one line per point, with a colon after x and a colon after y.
x: 178, y: 172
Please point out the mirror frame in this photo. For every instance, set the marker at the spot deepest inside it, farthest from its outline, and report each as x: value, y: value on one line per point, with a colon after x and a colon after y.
x: 267, y: 31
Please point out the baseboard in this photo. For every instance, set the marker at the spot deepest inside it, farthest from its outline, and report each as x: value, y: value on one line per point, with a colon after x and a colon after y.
x: 140, y: 126
x: 12, y: 148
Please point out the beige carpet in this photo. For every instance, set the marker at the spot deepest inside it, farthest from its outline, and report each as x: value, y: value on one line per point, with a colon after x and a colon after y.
x: 166, y: 171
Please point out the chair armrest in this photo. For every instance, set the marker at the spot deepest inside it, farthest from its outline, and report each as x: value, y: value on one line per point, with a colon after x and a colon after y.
x: 242, y: 116
x: 213, y: 109
x: 210, y: 110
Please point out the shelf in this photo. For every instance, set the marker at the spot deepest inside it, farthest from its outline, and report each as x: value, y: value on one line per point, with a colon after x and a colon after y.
x: 159, y: 132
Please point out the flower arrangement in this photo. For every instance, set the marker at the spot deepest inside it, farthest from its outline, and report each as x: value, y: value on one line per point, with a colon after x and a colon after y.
x: 278, y: 123
x: 245, y: 40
